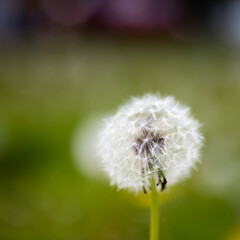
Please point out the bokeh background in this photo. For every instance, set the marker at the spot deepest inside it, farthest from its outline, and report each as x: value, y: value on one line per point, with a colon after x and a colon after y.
x: 65, y: 63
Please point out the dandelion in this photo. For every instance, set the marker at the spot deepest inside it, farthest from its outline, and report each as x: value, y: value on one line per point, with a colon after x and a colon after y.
x: 149, y: 144
x: 87, y: 162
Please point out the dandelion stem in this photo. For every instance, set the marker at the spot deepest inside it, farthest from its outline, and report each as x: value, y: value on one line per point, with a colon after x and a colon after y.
x: 154, y: 212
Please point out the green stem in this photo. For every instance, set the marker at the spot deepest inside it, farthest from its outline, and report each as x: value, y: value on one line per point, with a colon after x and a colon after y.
x: 154, y: 212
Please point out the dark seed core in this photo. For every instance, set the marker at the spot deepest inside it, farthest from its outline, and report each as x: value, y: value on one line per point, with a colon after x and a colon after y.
x: 147, y: 141
x: 144, y: 146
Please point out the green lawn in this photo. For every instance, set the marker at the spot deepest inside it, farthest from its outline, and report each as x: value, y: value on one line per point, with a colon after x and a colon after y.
x: 47, y: 90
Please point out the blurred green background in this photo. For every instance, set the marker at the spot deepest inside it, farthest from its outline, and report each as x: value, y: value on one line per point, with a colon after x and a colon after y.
x: 48, y: 89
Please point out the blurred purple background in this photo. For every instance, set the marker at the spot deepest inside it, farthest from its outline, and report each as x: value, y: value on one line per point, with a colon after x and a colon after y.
x: 24, y: 19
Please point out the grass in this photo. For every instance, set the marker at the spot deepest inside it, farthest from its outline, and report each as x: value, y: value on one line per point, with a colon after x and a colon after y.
x: 46, y: 90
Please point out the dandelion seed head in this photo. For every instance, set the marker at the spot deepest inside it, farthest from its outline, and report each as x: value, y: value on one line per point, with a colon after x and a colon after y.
x: 149, y: 137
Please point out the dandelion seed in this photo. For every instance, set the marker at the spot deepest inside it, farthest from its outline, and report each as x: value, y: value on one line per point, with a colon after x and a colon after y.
x: 151, y: 137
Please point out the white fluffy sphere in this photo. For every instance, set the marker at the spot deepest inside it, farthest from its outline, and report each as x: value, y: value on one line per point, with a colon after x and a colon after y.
x: 149, y: 138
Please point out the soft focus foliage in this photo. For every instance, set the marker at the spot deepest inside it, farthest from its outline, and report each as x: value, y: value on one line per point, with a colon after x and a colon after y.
x: 84, y: 149
x: 47, y: 90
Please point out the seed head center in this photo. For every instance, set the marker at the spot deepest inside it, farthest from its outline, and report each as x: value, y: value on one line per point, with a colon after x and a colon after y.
x: 148, y: 142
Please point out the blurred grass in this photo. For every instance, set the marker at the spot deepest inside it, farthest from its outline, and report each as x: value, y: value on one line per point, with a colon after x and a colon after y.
x: 47, y: 89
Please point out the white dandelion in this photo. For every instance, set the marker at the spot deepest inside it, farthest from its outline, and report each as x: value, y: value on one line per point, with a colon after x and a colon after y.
x: 149, y: 139
x: 87, y: 162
